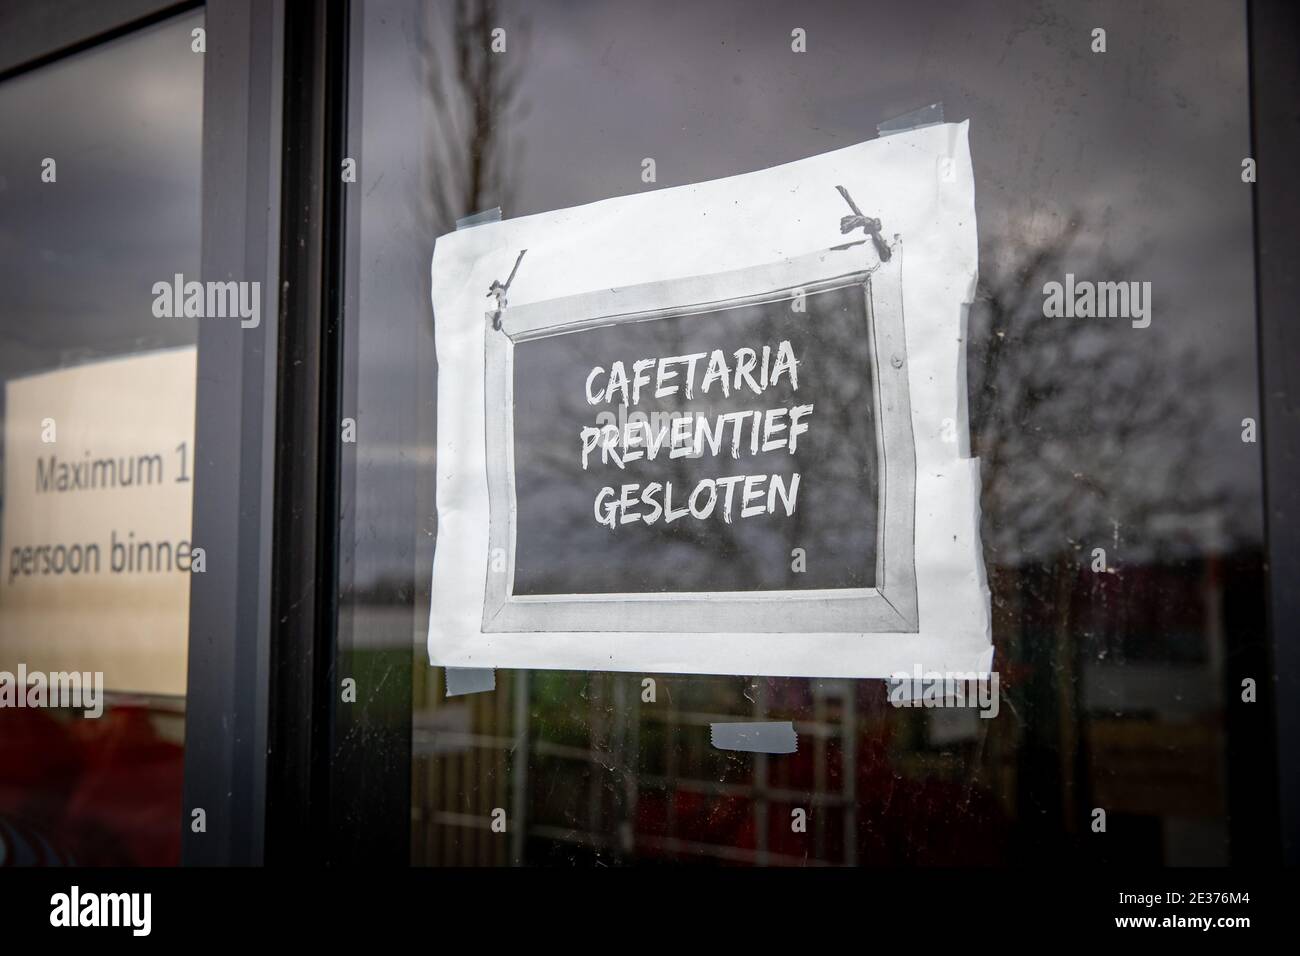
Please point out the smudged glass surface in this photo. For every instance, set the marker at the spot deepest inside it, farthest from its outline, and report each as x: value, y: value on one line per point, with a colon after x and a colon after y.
x: 1119, y: 686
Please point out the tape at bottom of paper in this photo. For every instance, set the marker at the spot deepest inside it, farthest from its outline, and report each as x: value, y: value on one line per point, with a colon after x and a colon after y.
x: 756, y: 737
x: 470, y: 680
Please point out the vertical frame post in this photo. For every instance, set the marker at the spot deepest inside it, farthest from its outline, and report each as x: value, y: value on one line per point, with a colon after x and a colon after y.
x: 228, y: 688
x: 1273, y: 30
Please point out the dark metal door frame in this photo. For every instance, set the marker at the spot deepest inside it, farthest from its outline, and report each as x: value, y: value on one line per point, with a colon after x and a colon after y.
x: 305, y: 578
x: 1274, y: 39
x: 263, y: 645
x: 229, y: 691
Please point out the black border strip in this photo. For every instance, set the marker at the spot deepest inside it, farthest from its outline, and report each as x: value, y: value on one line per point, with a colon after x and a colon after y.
x: 305, y: 548
x: 1274, y: 34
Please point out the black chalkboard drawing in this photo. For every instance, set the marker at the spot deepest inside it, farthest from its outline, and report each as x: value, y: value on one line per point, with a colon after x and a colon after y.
x: 836, y: 318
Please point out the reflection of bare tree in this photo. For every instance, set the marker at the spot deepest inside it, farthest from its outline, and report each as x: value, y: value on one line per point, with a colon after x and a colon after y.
x: 1091, y: 434
x: 475, y: 95
x: 1086, y: 427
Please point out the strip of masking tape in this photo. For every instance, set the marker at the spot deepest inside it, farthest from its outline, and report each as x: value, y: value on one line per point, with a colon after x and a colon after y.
x: 756, y: 737
x: 472, y: 680
x: 931, y: 115
x: 479, y: 218
x: 469, y: 680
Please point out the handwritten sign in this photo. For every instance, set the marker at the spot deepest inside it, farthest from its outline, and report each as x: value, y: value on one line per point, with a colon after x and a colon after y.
x: 709, y: 429
x: 706, y: 467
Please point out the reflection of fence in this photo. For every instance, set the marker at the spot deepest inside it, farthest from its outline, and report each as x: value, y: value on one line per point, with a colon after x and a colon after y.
x: 586, y: 770
x: 1114, y: 689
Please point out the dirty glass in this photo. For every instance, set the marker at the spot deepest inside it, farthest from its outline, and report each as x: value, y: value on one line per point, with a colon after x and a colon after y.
x: 99, y: 200
x: 1121, y: 488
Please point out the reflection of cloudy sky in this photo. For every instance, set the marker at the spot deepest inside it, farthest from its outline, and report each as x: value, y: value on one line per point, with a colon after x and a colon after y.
x: 78, y: 257
x: 1142, y: 143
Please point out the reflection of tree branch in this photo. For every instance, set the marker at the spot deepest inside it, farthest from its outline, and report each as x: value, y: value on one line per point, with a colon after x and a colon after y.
x: 475, y: 95
x: 1000, y: 305
x: 1061, y: 407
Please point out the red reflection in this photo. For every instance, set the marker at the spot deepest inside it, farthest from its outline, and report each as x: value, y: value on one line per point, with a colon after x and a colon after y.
x: 92, y: 792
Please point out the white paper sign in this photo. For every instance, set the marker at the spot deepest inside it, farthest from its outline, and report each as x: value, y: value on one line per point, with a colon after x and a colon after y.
x: 98, y: 488
x: 716, y: 428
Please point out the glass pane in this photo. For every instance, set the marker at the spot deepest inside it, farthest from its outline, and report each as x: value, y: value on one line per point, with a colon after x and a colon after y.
x: 99, y: 201
x: 1117, y: 678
